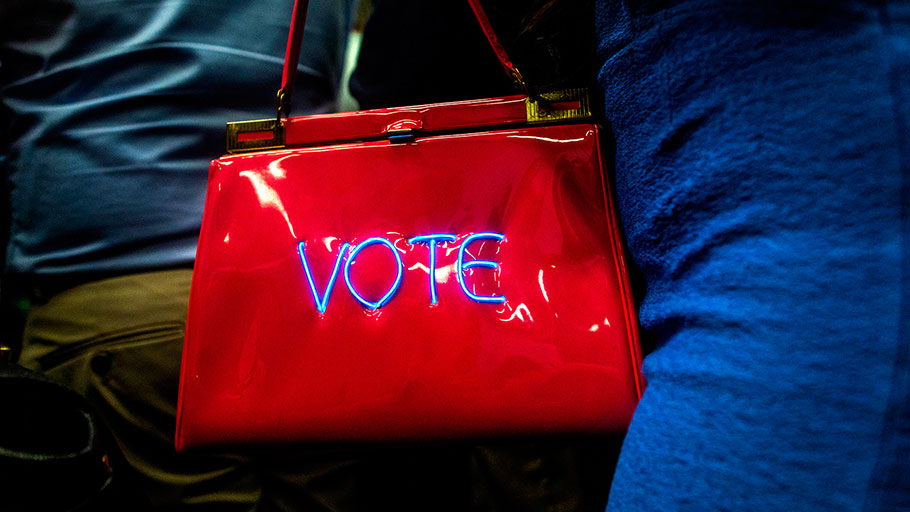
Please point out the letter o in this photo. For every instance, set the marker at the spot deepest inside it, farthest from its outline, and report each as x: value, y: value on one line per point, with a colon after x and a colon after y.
x: 347, y: 272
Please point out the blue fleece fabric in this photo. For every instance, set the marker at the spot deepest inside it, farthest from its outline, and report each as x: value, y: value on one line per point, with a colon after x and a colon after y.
x: 763, y: 174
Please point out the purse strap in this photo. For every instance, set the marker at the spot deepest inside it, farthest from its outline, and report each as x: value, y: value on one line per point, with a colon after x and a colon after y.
x: 295, y: 37
x: 291, y: 58
x: 504, y: 60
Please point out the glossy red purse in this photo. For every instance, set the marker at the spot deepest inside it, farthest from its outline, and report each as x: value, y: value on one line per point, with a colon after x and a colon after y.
x: 433, y: 271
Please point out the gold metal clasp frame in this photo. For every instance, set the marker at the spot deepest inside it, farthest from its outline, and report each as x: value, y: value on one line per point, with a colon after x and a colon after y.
x: 264, y: 134
x: 563, y: 105
x: 256, y: 135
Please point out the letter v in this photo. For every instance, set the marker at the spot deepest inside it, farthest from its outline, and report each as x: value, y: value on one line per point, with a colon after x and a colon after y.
x: 321, y: 304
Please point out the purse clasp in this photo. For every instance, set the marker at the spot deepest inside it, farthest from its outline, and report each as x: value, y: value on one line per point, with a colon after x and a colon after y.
x: 256, y: 135
x: 565, y: 105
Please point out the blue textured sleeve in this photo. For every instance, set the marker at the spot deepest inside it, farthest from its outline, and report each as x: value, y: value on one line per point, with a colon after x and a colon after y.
x: 762, y: 167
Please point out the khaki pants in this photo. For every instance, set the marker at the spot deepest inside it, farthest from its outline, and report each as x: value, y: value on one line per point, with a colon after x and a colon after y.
x: 118, y: 341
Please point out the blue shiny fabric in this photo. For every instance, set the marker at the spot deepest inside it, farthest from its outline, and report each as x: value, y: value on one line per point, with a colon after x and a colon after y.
x: 763, y: 175
x: 112, y: 111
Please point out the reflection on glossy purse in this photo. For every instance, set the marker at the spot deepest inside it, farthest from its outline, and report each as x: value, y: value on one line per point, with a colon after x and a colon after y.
x: 433, y: 271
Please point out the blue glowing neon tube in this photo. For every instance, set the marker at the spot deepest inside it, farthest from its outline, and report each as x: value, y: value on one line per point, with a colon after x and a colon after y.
x: 322, y: 303
x: 347, y: 272
x: 462, y: 266
x: 431, y: 241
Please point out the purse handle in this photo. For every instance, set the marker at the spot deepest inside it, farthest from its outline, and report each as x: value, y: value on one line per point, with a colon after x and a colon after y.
x: 291, y: 58
x: 501, y: 54
x: 295, y: 37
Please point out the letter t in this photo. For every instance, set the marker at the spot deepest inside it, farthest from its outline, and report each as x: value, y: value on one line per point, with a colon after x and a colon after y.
x: 431, y: 241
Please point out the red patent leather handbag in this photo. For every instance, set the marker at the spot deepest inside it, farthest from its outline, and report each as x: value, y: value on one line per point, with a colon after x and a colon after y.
x: 432, y: 271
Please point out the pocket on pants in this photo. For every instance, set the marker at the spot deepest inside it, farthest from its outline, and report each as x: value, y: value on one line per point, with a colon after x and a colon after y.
x: 133, y: 372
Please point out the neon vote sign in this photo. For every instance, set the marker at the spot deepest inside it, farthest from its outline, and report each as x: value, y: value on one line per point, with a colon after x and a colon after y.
x: 347, y: 255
